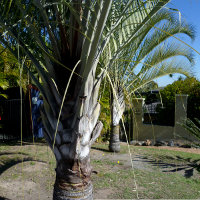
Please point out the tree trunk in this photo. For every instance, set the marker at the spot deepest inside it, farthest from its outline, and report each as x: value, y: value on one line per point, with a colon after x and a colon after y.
x: 71, y: 193
x: 117, y: 109
x: 114, y: 144
x: 73, y: 170
x: 75, y: 132
x: 73, y: 180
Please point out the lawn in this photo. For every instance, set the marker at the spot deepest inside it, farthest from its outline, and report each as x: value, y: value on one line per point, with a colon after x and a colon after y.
x: 156, y: 173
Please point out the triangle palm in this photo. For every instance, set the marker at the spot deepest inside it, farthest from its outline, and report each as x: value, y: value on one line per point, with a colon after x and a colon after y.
x: 156, y: 56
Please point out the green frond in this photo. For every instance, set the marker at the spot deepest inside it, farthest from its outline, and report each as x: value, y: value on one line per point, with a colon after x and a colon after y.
x: 4, y: 95
x: 162, y: 34
x: 157, y: 71
x: 192, y: 127
x: 167, y: 51
x: 133, y: 51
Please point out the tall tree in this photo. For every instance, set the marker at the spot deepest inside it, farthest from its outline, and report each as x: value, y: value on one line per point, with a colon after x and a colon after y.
x: 156, y: 54
x: 64, y: 40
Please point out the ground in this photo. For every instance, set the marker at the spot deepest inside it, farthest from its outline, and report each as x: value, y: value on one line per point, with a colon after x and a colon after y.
x: 149, y: 172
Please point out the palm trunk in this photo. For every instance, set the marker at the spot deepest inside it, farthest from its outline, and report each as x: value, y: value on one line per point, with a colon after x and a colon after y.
x: 73, y: 180
x: 61, y: 193
x: 117, y: 109
x: 114, y: 144
x: 76, y: 131
x: 73, y: 170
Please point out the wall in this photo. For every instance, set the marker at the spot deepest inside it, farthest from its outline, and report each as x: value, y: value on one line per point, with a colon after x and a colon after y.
x: 143, y: 132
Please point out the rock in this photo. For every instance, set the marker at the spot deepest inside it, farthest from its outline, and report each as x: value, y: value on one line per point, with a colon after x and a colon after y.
x: 160, y: 143
x: 177, y: 144
x: 133, y: 142
x: 186, y: 146
x: 171, y: 143
x: 146, y: 143
x: 136, y: 143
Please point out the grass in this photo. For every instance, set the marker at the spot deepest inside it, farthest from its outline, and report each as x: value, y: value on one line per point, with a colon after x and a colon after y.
x: 113, y: 172
x: 152, y: 183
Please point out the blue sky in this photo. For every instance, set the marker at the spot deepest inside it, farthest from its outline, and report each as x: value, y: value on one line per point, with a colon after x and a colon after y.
x: 190, y: 11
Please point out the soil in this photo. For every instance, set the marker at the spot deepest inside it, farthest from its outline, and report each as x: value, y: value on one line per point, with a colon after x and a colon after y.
x: 32, y: 181
x: 25, y: 183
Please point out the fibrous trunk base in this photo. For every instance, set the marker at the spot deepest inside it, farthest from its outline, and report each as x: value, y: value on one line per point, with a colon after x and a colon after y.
x: 72, y: 192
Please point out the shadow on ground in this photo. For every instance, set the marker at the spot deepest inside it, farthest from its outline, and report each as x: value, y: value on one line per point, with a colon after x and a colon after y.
x: 3, y: 198
x: 101, y: 149
x: 10, y: 162
x: 40, y: 142
x: 11, y: 153
x: 186, y: 165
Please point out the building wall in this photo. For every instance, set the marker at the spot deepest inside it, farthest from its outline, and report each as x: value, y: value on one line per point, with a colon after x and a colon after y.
x: 143, y: 132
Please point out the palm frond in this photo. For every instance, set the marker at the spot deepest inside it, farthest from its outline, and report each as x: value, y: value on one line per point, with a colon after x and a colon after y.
x: 193, y: 127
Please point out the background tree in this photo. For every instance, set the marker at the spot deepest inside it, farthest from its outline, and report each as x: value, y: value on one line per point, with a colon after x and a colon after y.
x: 7, y: 74
x: 4, y: 85
x: 156, y: 55
x: 190, y: 86
x: 10, y: 70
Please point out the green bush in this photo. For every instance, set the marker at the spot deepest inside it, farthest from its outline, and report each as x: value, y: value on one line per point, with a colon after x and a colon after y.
x: 190, y: 86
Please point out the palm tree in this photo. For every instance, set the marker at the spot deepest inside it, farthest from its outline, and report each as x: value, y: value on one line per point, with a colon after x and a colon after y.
x: 156, y: 56
x: 64, y: 40
x: 193, y: 128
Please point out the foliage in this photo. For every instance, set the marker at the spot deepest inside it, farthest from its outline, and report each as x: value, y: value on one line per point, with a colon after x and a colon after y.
x: 178, y: 87
x: 4, y: 83
x: 105, y: 116
x: 9, y: 70
x: 155, y: 53
x: 190, y: 86
x: 8, y: 67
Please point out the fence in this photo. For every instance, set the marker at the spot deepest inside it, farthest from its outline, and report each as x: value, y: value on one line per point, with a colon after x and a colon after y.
x: 10, y: 119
